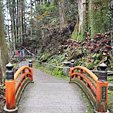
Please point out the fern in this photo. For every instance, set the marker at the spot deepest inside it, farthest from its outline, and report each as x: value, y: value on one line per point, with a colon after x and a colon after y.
x: 111, y: 60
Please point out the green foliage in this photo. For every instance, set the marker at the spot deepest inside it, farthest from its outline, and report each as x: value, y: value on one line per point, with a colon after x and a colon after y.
x: 42, y: 57
x: 74, y: 34
x: 3, y: 87
x: 96, y: 18
x: 107, y: 21
x: 80, y: 36
x: 57, y: 59
x: 78, y: 51
x: 46, y: 7
x: 77, y: 35
x: 89, y: 65
x: 57, y: 72
x: 71, y: 11
x: 96, y: 62
x: 95, y: 56
x: 100, y: 21
x: 111, y: 60
x: 85, y: 24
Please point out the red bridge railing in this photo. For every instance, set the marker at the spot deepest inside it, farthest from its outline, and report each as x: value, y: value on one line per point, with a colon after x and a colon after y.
x: 15, y: 84
x: 95, y: 88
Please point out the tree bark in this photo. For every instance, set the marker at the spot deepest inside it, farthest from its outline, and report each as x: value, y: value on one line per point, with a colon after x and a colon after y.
x: 92, y: 16
x: 60, y: 15
x: 17, y: 23
x: 81, y: 9
x: 63, y: 12
x: 3, y: 48
x: 52, y: 1
x: 14, y: 24
x: 31, y: 17
x: 22, y: 30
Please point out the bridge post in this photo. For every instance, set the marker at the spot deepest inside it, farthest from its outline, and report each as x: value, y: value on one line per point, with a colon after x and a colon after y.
x: 66, y: 70
x: 30, y: 65
x: 102, y: 89
x: 10, y: 90
x: 71, y: 69
x: 72, y: 63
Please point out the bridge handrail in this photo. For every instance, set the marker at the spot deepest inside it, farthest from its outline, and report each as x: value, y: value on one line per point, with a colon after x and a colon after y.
x: 97, y: 89
x: 13, y: 93
x: 87, y: 71
x: 87, y: 80
x: 20, y: 70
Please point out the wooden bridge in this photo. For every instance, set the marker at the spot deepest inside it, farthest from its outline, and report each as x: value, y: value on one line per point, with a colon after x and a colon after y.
x: 46, y: 94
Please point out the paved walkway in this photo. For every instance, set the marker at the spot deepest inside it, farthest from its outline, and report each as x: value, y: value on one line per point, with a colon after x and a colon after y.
x: 50, y: 95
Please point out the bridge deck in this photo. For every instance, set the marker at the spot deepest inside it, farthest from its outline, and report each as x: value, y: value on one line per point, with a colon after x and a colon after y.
x: 50, y: 95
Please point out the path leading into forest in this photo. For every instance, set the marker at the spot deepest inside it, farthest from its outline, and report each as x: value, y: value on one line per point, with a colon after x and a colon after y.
x: 50, y: 95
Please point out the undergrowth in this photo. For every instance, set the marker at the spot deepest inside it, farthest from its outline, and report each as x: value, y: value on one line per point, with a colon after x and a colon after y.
x: 53, y: 71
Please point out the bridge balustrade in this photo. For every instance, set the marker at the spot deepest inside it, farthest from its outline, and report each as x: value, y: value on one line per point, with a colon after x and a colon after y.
x: 95, y: 88
x: 15, y: 85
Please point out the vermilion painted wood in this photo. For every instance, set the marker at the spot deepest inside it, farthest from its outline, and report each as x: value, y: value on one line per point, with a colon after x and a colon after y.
x: 87, y: 71
x: 101, y: 104
x: 10, y: 94
x: 19, y: 84
x: 11, y: 89
x: 20, y: 70
x: 87, y: 80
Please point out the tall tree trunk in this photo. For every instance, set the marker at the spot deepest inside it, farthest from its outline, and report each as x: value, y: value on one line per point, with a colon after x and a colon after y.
x: 81, y: 9
x: 10, y: 7
x: 63, y: 12
x: 60, y: 15
x: 52, y: 1
x: 9, y: 38
x: 92, y: 16
x: 41, y: 24
x: 3, y: 47
x: 12, y: 35
x: 22, y: 30
x: 1, y: 75
x: 36, y: 12
x: 111, y: 23
x: 17, y: 22
x: 14, y: 24
x: 24, y: 25
x: 31, y: 17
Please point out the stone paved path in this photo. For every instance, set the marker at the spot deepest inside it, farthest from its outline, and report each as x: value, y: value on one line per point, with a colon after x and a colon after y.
x: 50, y: 95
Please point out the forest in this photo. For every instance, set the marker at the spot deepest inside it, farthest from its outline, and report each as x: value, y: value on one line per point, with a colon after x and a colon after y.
x: 58, y: 30
x: 66, y: 28
x: 61, y: 30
